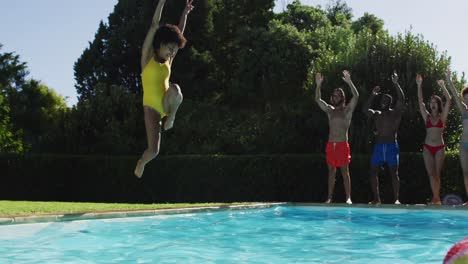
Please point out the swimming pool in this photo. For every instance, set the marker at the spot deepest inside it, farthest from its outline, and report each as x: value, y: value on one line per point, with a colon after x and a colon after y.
x: 279, y: 234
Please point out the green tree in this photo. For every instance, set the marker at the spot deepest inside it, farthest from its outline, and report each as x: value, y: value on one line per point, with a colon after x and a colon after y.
x: 109, y: 122
x: 12, y: 71
x: 369, y: 21
x: 12, y: 75
x: 229, y: 18
x: 29, y: 109
x: 35, y: 109
x: 90, y: 68
x: 304, y: 17
x: 10, y: 139
x: 273, y: 65
x: 113, y: 57
x: 246, y: 77
x: 339, y: 13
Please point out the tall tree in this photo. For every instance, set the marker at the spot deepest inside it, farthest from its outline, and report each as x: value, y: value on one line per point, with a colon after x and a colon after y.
x: 229, y: 18
x: 35, y: 109
x: 113, y: 57
x: 12, y: 76
x: 304, y: 17
x: 369, y: 21
x: 338, y: 12
x: 273, y: 66
x: 10, y: 139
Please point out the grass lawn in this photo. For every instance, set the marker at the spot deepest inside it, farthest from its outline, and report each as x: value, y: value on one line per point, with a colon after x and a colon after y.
x: 24, y: 208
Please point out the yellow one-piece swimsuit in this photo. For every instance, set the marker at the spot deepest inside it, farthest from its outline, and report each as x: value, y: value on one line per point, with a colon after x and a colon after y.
x: 155, y: 81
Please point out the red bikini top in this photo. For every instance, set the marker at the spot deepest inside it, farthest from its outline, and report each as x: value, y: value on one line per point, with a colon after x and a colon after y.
x: 429, y: 124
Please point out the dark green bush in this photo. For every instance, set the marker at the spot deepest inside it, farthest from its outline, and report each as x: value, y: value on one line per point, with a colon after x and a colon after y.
x: 208, y: 178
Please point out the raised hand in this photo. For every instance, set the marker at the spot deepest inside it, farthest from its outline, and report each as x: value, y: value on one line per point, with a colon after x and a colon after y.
x: 419, y: 79
x: 376, y: 90
x: 318, y: 79
x: 188, y: 7
x: 346, y: 77
x: 395, y: 78
x: 441, y: 83
x: 448, y: 74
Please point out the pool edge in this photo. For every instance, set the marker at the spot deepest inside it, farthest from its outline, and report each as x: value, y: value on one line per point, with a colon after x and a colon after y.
x: 31, y: 219
x: 43, y: 218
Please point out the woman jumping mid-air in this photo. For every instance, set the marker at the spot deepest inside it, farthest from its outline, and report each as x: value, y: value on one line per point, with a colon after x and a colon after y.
x: 160, y: 98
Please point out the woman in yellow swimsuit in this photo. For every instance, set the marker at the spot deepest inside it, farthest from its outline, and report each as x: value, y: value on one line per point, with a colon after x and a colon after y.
x: 159, y: 97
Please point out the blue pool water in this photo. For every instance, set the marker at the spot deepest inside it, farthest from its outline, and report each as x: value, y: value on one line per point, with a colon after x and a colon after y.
x: 282, y: 234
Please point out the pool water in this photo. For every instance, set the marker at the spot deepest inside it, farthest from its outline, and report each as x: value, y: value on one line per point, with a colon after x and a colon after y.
x: 281, y: 234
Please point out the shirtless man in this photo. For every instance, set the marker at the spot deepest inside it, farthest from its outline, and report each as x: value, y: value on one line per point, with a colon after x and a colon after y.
x: 339, y: 118
x: 386, y: 150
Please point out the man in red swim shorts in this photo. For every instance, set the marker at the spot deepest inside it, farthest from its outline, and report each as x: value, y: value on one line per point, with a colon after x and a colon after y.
x: 339, y: 118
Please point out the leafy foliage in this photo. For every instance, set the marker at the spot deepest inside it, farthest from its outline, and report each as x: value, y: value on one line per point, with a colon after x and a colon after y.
x: 246, y: 74
x: 29, y: 110
x: 12, y: 74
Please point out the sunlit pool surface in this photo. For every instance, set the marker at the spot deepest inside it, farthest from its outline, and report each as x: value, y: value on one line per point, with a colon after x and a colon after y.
x: 281, y: 234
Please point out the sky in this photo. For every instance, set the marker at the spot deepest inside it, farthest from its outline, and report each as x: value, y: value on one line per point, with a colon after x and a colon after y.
x: 50, y: 35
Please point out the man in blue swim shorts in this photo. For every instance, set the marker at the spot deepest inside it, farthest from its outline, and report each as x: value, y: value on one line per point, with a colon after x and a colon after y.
x: 386, y: 150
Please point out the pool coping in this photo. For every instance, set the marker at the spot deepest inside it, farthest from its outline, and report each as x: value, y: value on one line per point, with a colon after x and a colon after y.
x: 390, y: 206
x: 64, y: 217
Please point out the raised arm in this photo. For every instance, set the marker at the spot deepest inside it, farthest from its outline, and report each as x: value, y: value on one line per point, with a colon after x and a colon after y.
x: 183, y: 17
x: 183, y: 21
x: 458, y: 99
x: 353, y: 102
x: 448, y: 100
x: 422, y: 106
x: 147, y: 49
x: 401, y: 96
x: 318, y: 95
x: 367, y: 110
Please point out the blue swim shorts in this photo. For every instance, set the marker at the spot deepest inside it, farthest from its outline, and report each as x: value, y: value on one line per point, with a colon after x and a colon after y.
x: 386, y: 153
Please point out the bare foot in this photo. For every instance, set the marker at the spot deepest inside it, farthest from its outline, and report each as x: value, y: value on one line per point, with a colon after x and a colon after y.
x: 169, y: 122
x: 465, y: 204
x: 328, y: 201
x: 375, y: 202
x: 349, y: 201
x: 435, y: 202
x: 397, y: 202
x: 139, y: 169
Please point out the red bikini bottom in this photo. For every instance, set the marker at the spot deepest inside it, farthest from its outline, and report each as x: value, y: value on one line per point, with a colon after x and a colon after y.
x: 434, y: 149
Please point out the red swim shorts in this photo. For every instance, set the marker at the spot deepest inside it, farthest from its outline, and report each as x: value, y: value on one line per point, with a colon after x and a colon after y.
x: 338, y: 154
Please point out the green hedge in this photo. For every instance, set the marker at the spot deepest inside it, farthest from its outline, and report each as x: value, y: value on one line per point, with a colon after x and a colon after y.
x: 208, y: 178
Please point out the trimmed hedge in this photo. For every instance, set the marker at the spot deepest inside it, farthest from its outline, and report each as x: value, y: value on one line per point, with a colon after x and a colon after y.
x: 209, y: 178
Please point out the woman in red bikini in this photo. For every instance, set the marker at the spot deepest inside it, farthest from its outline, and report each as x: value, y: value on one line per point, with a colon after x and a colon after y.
x: 433, y: 150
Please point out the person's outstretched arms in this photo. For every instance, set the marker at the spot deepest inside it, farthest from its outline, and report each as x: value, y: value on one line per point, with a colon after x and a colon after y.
x: 318, y: 95
x: 458, y: 99
x: 367, y: 110
x: 353, y: 102
x: 401, y: 96
x: 147, y: 49
x: 422, y: 106
x: 448, y: 100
